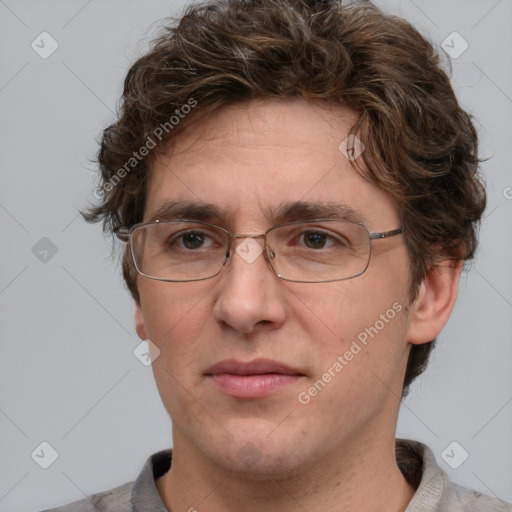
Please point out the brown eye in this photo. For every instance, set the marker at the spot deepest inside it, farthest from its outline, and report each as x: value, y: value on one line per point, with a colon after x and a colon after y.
x: 193, y: 240
x: 315, y: 240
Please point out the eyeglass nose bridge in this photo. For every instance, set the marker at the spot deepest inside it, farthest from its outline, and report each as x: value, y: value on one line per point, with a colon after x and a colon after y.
x: 235, y: 235
x: 267, y: 251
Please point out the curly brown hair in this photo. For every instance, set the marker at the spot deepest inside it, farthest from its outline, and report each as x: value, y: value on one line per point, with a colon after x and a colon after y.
x: 421, y: 146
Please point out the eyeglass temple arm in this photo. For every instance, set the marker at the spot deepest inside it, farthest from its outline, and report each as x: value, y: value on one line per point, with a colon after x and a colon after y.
x: 123, y: 234
x: 386, y: 234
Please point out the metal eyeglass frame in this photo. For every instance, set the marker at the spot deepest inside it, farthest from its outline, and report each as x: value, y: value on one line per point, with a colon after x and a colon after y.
x: 125, y: 235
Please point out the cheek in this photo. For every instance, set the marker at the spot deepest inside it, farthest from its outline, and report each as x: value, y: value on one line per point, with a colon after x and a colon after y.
x: 359, y: 362
x: 175, y: 314
x: 342, y: 310
x: 356, y: 330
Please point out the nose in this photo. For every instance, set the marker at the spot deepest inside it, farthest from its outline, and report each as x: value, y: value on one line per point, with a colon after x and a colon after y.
x: 250, y: 295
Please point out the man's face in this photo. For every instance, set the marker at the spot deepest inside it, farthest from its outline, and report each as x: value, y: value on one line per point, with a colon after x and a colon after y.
x: 247, y: 161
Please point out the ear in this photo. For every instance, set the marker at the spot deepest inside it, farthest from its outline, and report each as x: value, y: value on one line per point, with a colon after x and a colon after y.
x: 140, y: 323
x: 435, y: 301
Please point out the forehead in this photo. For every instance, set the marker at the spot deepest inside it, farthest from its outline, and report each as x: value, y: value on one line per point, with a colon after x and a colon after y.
x: 261, y: 127
x: 250, y: 158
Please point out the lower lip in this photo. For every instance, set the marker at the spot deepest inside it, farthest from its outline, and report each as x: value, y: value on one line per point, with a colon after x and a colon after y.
x: 252, y: 386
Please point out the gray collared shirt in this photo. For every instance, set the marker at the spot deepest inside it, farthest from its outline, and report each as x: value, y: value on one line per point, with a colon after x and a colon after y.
x: 434, y: 491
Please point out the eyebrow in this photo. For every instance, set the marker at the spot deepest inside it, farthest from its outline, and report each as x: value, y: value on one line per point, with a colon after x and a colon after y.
x: 285, y: 212
x: 171, y: 210
x: 302, y: 210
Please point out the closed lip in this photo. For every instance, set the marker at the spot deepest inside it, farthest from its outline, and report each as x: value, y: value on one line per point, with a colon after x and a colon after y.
x: 255, y: 367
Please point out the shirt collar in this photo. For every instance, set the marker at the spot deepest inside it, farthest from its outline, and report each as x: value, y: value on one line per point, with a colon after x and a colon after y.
x: 415, y: 460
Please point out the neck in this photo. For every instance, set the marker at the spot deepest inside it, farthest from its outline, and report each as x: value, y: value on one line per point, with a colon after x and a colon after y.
x: 360, y: 475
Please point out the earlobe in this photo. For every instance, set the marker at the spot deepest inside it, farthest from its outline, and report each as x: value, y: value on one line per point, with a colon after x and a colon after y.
x: 435, y: 301
x: 140, y: 324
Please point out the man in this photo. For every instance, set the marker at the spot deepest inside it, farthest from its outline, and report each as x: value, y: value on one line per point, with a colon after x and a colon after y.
x: 298, y: 189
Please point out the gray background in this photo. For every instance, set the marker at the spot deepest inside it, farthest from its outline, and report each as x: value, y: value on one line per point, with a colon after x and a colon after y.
x: 68, y: 373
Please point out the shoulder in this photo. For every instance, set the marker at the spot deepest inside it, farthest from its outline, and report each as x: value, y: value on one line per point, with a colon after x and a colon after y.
x: 114, y: 500
x: 142, y: 494
x: 435, y: 492
x: 460, y: 498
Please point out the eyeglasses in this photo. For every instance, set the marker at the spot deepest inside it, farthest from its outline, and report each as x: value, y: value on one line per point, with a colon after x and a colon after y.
x: 316, y: 251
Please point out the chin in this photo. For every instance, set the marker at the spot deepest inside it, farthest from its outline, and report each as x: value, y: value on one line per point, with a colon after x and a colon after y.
x: 256, y: 466
x: 260, y: 454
